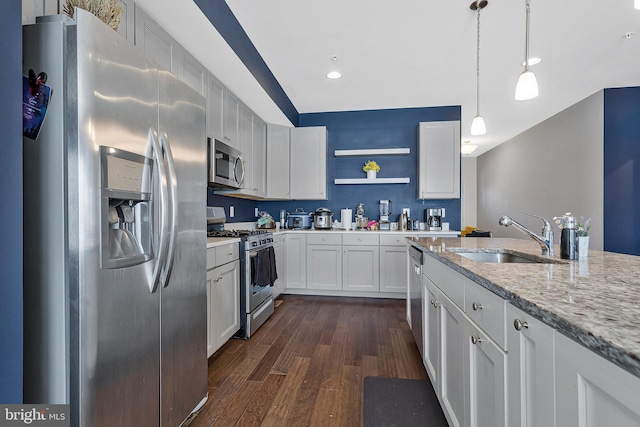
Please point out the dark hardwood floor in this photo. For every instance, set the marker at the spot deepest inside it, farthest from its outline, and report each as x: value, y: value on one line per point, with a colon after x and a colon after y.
x: 306, y: 365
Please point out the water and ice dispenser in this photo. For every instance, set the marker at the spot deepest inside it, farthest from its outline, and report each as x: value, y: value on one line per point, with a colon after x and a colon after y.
x: 126, y: 208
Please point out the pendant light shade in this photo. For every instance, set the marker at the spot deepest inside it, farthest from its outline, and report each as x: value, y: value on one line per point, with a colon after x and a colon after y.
x: 478, y: 126
x: 527, y: 87
x: 636, y: 4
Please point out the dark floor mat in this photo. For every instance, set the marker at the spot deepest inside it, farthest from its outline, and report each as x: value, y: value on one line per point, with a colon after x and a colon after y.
x: 390, y: 402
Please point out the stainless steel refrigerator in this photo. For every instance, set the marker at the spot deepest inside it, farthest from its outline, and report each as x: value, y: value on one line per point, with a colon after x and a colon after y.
x: 115, y: 238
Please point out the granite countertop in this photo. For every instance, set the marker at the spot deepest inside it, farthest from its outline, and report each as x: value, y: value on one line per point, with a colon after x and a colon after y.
x: 593, y: 300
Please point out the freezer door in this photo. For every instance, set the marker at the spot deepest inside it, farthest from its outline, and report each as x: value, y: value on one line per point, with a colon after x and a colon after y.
x: 183, y: 292
x: 114, y: 317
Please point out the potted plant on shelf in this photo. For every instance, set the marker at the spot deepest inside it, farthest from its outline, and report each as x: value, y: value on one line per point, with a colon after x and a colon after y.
x: 371, y: 168
x: 108, y: 11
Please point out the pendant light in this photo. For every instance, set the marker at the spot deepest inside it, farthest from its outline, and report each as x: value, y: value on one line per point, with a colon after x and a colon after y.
x: 478, y: 126
x: 636, y: 4
x: 527, y: 87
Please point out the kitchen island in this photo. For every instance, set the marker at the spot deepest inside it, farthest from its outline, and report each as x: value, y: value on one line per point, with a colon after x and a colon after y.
x: 530, y: 334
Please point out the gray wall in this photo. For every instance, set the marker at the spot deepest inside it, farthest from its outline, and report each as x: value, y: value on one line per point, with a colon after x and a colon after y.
x: 469, y: 195
x: 552, y: 168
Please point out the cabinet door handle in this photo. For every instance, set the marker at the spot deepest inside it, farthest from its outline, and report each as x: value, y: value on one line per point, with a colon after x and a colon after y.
x: 435, y: 303
x: 476, y: 306
x: 475, y: 340
x: 518, y: 324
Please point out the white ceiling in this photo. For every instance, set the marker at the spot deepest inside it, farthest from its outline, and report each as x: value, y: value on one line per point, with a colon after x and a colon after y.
x: 399, y: 54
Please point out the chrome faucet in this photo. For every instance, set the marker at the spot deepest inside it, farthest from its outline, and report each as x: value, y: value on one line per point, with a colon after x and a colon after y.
x: 545, y: 241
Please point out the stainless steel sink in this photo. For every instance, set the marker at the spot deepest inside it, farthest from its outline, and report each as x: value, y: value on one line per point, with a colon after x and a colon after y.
x: 501, y: 256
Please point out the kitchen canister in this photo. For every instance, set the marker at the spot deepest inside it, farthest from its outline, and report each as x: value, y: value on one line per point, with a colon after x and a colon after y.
x: 568, y: 239
x: 346, y: 215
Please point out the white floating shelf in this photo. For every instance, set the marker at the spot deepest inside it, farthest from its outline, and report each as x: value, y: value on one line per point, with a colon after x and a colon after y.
x: 371, y: 181
x: 374, y: 152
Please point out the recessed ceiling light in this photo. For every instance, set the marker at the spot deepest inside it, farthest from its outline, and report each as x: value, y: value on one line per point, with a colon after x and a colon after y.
x: 532, y: 61
x: 334, y: 75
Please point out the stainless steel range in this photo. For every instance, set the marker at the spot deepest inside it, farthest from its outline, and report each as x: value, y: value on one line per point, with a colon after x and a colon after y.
x: 257, y: 275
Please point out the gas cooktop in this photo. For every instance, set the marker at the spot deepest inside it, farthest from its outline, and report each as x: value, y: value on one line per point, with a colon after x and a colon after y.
x: 236, y: 233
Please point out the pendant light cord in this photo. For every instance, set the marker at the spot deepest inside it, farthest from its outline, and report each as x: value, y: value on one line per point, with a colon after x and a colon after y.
x: 526, y: 38
x: 478, y: 65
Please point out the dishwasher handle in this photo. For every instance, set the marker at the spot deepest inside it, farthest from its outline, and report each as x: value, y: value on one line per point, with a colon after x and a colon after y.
x: 415, y: 254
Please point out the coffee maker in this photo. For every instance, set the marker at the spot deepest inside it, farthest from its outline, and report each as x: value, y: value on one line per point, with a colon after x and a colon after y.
x: 433, y: 219
x: 385, y: 212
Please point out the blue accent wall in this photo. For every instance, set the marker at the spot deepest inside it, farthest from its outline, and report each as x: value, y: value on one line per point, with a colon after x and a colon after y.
x: 225, y: 22
x: 353, y: 130
x: 621, y: 176
x: 11, y: 324
x: 244, y: 209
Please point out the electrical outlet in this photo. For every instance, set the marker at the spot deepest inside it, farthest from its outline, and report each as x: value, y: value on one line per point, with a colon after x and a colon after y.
x: 407, y: 211
x: 256, y: 212
x: 232, y: 212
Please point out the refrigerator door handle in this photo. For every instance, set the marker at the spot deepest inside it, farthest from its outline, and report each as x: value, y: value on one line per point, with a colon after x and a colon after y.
x: 173, y: 208
x: 154, y: 151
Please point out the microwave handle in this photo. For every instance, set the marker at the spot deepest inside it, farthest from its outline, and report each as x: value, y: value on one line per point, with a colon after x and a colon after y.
x: 241, y: 180
x: 211, y: 145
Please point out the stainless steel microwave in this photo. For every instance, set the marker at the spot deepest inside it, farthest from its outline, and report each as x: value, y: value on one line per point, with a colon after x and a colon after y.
x: 225, y: 164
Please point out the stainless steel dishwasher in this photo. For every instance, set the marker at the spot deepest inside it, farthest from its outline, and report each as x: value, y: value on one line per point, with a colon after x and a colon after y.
x: 415, y: 293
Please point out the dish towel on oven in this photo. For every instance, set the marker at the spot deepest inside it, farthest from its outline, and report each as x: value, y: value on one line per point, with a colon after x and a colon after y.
x: 263, y: 268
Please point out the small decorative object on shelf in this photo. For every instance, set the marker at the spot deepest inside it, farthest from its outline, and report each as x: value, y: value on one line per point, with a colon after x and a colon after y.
x: 371, y: 168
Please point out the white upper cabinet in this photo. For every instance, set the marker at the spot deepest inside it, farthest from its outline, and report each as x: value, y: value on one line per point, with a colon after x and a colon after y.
x: 155, y: 41
x: 259, y: 135
x: 439, y: 160
x: 252, y: 144
x: 231, y: 127
x: 215, y: 109
x: 308, y: 163
x: 193, y: 73
x: 127, y: 20
x: 278, y: 172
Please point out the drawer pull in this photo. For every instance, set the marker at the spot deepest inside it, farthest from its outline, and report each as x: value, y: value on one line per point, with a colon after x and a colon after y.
x: 475, y: 340
x: 230, y: 253
x: 476, y: 306
x: 518, y: 324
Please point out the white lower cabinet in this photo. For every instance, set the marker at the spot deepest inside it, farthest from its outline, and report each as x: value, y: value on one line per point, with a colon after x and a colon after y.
x: 452, y: 361
x: 431, y: 331
x: 492, y: 364
x: 361, y: 262
x: 530, y: 370
x: 223, y: 295
x: 466, y: 366
x: 295, y: 253
x: 485, y: 381
x: 591, y: 391
x: 393, y: 264
x: 324, y: 261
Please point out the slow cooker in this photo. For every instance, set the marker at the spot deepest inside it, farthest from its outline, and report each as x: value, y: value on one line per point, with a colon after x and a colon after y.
x: 322, y: 219
x: 299, y: 219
